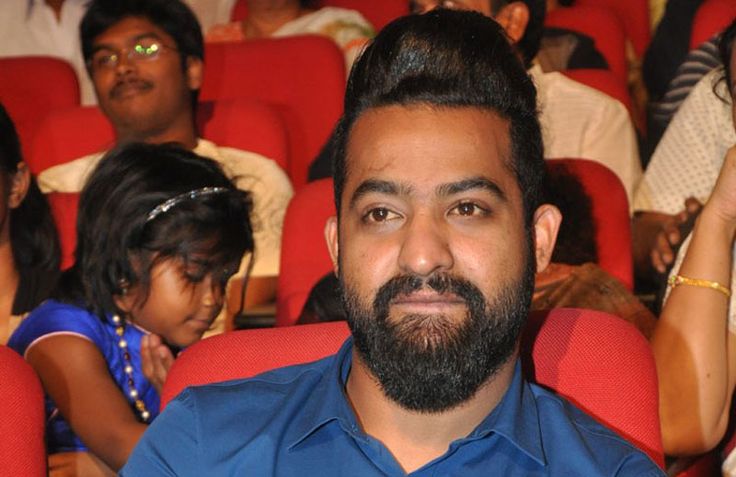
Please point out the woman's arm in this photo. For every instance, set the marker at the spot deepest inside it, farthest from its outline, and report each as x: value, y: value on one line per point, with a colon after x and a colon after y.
x: 693, y: 348
x: 74, y: 373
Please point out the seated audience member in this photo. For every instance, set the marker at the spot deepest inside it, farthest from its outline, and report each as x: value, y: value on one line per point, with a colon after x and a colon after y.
x: 347, y: 28
x: 577, y: 121
x: 572, y: 278
x: 145, y: 58
x: 29, y: 248
x: 160, y: 231
x: 695, y: 337
x: 45, y: 28
x: 211, y: 12
x: 437, y: 267
x: 684, y: 167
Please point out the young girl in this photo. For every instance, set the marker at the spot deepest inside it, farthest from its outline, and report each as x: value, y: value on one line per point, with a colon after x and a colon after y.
x: 29, y: 248
x: 160, y: 230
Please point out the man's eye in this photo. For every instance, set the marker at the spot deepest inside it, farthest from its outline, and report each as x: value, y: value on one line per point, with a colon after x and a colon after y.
x: 468, y: 209
x: 105, y: 59
x: 379, y: 214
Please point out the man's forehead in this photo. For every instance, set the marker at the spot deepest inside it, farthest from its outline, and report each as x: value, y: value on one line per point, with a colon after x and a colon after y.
x: 130, y: 29
x: 442, y: 143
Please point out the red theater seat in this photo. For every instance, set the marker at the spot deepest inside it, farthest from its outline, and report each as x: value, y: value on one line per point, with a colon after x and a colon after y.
x: 634, y: 16
x: 712, y: 17
x: 598, y: 361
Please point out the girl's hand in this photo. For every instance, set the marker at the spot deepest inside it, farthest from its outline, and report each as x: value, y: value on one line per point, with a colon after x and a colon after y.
x: 156, y: 359
x: 722, y: 202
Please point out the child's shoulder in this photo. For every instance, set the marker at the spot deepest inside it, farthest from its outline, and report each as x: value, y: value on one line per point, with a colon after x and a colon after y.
x: 56, y: 318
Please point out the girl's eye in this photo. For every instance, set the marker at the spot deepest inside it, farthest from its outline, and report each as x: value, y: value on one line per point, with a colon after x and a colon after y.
x: 468, y: 209
x: 379, y: 214
x: 194, y: 276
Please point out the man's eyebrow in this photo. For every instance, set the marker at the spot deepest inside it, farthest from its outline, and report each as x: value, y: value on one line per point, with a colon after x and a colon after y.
x: 135, y: 39
x: 452, y: 188
x: 379, y: 187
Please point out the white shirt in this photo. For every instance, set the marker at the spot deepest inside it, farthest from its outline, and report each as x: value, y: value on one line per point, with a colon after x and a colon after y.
x: 581, y: 122
x: 268, y: 184
x: 30, y: 27
x: 211, y: 12
x: 689, y: 156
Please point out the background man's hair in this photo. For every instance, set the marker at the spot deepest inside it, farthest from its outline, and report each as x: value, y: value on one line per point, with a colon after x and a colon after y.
x: 447, y: 59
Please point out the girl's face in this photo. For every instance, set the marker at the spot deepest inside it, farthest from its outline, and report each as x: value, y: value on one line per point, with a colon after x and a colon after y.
x: 181, y: 305
x: 732, y: 86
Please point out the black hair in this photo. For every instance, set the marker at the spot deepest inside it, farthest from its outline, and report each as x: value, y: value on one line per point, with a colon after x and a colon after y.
x: 172, y: 16
x: 575, y: 243
x: 530, y: 42
x: 447, y: 59
x: 117, y: 243
x: 33, y: 238
x: 725, y: 48
x: 308, y: 3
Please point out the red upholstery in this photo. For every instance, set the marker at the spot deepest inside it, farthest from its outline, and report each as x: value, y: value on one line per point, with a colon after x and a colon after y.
x: 22, y: 447
x: 606, y: 82
x: 603, y: 365
x: 712, y: 17
x: 634, y: 16
x: 303, y: 76
x: 32, y: 86
x: 68, y: 134
x: 598, y: 361
x: 600, y: 24
x: 610, y: 214
x: 377, y: 12
x: 304, y: 255
x: 240, y: 354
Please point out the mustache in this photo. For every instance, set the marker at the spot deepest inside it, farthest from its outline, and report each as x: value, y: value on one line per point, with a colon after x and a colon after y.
x: 440, y: 283
x: 128, y: 82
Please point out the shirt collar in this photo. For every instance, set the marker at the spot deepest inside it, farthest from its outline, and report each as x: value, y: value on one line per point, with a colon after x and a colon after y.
x: 328, y: 401
x: 515, y: 418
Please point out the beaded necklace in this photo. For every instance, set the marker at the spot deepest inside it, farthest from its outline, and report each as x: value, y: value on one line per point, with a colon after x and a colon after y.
x: 132, y: 391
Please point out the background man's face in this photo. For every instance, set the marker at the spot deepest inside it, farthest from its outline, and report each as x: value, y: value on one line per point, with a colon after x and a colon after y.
x: 143, y: 96
x: 431, y: 232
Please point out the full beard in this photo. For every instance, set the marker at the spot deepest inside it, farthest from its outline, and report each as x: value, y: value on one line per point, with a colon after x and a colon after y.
x: 433, y: 363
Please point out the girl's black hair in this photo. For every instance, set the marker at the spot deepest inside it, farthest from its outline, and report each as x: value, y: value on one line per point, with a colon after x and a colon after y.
x: 33, y: 236
x: 725, y: 48
x: 117, y: 245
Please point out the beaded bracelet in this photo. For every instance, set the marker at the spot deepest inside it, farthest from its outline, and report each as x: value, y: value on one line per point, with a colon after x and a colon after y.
x: 675, y: 280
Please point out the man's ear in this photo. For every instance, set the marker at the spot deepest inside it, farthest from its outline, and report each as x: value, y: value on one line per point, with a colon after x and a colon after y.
x: 194, y: 71
x: 514, y: 19
x: 547, y: 219
x: 332, y: 242
x: 20, y: 181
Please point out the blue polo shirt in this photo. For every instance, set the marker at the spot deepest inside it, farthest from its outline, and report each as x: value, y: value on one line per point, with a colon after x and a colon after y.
x: 296, y: 421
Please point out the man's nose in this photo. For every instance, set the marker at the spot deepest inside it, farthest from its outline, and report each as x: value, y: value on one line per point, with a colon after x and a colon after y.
x: 124, y: 64
x: 425, y: 248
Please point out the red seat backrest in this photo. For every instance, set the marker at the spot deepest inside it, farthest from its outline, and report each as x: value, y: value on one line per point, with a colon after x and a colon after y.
x: 32, y: 86
x: 303, y: 76
x: 69, y: 134
x: 598, y: 361
x: 634, y: 16
x: 600, y: 24
x: 712, y: 17
x: 304, y: 255
x: 377, y: 12
x: 610, y: 215
x: 22, y: 448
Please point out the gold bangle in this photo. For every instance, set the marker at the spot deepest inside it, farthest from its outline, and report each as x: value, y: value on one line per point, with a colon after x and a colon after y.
x: 675, y: 280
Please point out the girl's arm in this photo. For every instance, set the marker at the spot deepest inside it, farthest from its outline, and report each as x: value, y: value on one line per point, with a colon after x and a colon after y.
x: 693, y: 349
x: 74, y: 373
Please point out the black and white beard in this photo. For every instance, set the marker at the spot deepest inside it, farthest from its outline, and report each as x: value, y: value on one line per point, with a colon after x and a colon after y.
x: 431, y: 363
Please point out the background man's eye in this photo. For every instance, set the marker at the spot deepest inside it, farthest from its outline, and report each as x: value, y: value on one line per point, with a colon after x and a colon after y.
x: 379, y: 215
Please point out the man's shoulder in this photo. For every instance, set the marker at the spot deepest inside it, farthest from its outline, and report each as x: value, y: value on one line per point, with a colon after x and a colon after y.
x: 560, y: 88
x: 570, y: 435
x: 69, y: 176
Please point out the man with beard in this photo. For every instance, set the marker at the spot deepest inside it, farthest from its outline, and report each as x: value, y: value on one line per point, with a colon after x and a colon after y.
x: 439, y: 230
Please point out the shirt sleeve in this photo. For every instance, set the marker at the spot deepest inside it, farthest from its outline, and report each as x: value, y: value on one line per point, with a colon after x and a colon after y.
x: 639, y: 465
x: 51, y: 319
x: 689, y: 157
x: 170, y: 446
